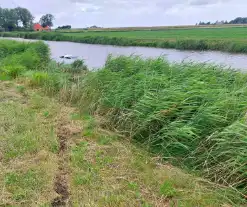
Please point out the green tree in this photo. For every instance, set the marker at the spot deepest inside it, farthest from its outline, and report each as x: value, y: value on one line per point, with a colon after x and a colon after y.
x: 8, y: 19
x: 1, y: 17
x: 24, y: 17
x: 11, y: 19
x: 47, y: 20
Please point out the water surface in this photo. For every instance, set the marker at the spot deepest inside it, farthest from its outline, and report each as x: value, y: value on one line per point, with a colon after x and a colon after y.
x: 95, y: 55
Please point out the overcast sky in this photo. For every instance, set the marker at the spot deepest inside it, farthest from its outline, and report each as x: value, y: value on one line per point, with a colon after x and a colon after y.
x: 117, y: 13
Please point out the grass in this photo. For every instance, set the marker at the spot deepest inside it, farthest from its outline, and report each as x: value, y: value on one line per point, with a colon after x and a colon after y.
x: 190, y: 115
x: 154, y: 28
x: 238, y: 34
x: 117, y: 173
x: 28, y: 148
x: 227, y: 39
x: 105, y: 170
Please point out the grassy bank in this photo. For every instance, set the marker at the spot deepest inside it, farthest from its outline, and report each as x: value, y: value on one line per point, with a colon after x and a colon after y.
x: 220, y: 39
x: 95, y: 168
x: 17, y: 57
x: 191, y: 115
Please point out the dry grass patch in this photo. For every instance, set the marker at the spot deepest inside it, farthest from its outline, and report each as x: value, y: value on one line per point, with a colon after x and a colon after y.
x: 28, y: 146
x: 107, y: 171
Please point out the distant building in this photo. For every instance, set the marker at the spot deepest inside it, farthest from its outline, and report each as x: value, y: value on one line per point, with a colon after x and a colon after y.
x: 38, y: 27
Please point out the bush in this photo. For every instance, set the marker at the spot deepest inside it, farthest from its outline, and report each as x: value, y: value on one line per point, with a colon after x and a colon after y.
x: 29, y: 59
x: 43, y: 51
x: 78, y: 66
x: 31, y: 55
x: 12, y: 70
x: 9, y: 47
x: 39, y: 78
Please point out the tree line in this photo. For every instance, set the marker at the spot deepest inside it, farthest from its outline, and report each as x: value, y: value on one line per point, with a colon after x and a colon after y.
x: 238, y: 20
x: 64, y: 27
x: 11, y: 19
x: 21, y: 19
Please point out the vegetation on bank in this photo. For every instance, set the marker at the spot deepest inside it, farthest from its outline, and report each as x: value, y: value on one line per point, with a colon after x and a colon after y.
x: 220, y: 39
x: 97, y: 168
x: 237, y: 21
x: 192, y: 115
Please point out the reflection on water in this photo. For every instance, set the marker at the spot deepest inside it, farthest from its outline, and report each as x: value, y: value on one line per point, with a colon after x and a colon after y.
x: 95, y: 55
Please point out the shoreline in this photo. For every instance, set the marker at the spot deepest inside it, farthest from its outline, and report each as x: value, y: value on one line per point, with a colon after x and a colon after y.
x: 179, y: 44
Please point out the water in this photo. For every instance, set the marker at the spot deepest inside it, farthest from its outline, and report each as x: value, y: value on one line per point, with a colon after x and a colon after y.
x: 95, y: 55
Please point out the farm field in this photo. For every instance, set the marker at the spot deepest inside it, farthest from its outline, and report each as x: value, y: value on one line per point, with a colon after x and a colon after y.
x: 154, y: 28
x: 236, y: 34
x: 232, y: 39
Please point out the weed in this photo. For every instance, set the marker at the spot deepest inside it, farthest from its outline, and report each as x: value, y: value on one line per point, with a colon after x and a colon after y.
x: 4, y: 77
x: 87, y: 117
x: 23, y: 184
x: 75, y: 116
x: 12, y: 70
x: 82, y: 179
x: 104, y: 140
x: 133, y: 186
x: 88, y: 133
x: 167, y: 189
x: 21, y: 89
x: 46, y: 114
x: 77, y: 154
x: 39, y: 78
x: 78, y: 66
x: 37, y: 102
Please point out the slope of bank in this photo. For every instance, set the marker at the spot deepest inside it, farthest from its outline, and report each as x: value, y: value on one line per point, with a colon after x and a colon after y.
x: 182, y: 43
x: 51, y: 156
x: 191, y: 115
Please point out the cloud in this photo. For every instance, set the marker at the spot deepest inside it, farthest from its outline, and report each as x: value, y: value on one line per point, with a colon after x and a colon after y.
x: 202, y: 2
x: 110, y: 13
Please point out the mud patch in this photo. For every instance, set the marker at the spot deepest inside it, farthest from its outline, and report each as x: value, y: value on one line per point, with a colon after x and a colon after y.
x: 61, y: 188
x: 64, y: 133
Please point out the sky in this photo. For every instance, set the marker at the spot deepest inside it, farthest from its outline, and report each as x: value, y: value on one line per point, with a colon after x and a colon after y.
x: 123, y: 13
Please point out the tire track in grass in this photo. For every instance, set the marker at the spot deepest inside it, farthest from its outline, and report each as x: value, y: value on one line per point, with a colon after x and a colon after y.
x: 65, y: 131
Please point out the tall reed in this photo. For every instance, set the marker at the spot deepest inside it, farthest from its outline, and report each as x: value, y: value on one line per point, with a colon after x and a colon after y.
x: 192, y: 114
